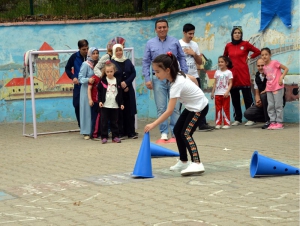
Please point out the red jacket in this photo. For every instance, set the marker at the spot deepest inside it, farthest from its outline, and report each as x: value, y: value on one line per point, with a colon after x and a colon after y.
x: 238, y: 55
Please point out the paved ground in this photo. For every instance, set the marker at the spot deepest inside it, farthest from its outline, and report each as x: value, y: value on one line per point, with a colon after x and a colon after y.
x: 61, y: 179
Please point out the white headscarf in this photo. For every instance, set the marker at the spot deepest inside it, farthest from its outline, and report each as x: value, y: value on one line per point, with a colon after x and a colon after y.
x: 114, y: 57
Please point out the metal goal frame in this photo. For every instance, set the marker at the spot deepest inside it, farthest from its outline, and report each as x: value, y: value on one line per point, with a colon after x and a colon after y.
x: 30, y: 59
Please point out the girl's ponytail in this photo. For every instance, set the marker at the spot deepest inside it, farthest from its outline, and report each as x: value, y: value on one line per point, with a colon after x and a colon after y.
x: 168, y: 60
x: 227, y: 61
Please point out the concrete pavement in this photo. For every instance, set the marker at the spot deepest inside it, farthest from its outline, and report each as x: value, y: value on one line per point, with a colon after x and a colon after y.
x: 61, y: 179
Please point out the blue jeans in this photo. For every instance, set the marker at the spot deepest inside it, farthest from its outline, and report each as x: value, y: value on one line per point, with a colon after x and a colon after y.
x: 161, y: 90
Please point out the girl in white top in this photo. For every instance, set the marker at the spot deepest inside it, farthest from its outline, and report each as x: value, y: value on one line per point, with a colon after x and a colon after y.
x: 110, y: 100
x: 186, y: 90
x: 221, y: 92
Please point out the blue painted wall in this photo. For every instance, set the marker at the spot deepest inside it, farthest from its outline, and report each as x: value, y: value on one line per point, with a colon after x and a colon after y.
x: 213, y: 27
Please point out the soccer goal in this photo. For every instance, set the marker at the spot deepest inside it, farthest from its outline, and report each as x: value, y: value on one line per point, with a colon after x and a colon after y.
x: 32, y: 54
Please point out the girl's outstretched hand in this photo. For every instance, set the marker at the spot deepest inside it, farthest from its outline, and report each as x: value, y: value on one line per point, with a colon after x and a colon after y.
x: 149, y: 127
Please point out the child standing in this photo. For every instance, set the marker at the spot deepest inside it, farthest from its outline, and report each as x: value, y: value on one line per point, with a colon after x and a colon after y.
x: 221, y: 92
x: 94, y: 103
x: 110, y: 99
x: 186, y: 90
x: 274, y: 88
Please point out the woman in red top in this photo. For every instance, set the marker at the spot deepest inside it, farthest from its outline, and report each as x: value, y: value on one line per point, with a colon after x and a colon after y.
x: 237, y: 50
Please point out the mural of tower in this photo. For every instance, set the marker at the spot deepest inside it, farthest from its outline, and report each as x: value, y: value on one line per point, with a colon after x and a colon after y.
x: 48, y: 67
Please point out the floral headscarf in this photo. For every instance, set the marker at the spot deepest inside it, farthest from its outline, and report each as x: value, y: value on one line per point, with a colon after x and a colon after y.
x: 116, y: 40
x: 114, y: 57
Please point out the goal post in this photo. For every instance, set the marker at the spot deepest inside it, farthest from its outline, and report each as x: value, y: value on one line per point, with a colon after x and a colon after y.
x: 32, y: 90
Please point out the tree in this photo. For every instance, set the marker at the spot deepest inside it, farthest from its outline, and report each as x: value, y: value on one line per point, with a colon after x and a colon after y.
x: 138, y: 5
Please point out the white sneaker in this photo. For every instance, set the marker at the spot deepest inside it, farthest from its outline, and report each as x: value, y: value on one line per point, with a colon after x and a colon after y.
x: 236, y: 123
x: 249, y: 123
x: 226, y: 127
x: 218, y: 127
x: 193, y: 168
x: 164, y: 136
x: 179, y: 166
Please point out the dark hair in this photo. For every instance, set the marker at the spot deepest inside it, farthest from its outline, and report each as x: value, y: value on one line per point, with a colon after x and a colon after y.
x: 107, y: 64
x: 168, y: 60
x: 188, y: 27
x: 266, y: 49
x: 227, y: 61
x: 161, y: 20
x: 83, y: 43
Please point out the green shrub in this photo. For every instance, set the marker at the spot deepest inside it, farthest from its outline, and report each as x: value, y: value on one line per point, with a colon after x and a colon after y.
x: 20, y: 10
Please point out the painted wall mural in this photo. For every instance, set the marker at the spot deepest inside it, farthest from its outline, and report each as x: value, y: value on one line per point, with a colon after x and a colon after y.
x: 53, y: 89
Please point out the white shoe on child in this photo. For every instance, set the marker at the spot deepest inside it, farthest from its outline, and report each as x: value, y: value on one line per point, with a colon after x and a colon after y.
x: 179, y: 166
x: 226, y: 127
x: 193, y: 168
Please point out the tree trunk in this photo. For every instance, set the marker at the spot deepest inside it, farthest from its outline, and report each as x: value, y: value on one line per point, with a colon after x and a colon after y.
x: 138, y: 5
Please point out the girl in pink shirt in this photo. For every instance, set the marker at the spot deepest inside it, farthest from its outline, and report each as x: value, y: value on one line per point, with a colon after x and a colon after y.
x: 274, y: 88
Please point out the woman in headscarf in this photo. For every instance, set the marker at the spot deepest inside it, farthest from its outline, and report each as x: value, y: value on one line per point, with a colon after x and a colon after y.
x: 85, y: 76
x: 126, y: 72
x: 108, y: 55
x: 238, y: 50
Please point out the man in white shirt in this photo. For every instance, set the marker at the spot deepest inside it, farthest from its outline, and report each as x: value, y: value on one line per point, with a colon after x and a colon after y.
x: 193, y: 57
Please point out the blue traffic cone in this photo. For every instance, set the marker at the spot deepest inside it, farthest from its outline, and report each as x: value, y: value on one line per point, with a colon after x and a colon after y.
x: 261, y: 165
x: 159, y: 151
x: 143, y: 166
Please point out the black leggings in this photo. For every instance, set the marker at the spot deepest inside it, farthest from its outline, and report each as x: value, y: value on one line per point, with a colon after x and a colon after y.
x: 183, y: 131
